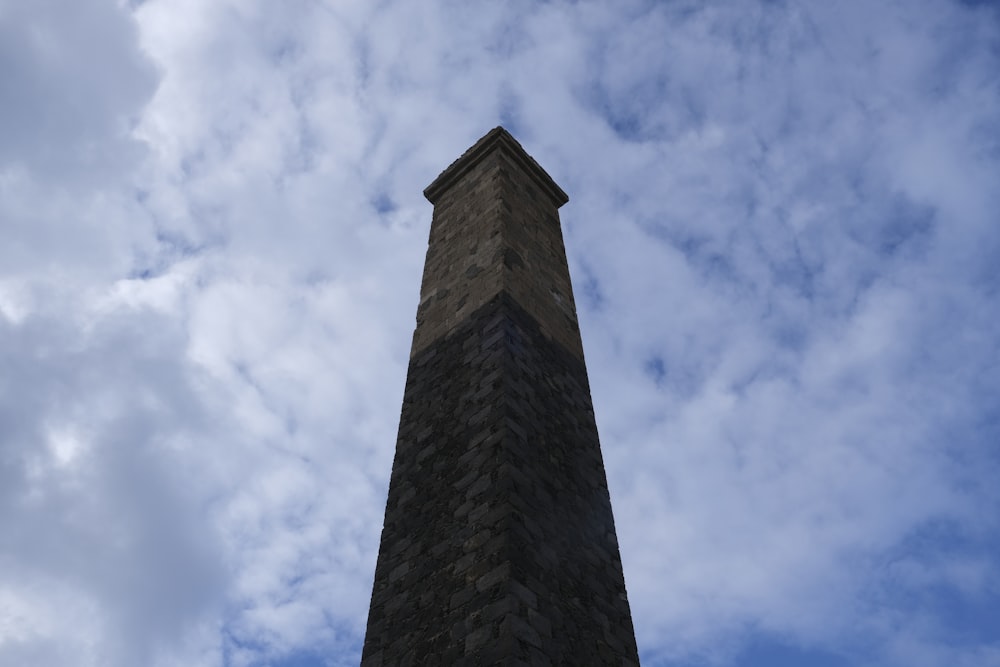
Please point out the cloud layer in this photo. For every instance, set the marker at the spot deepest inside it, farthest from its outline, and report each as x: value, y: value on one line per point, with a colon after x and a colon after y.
x: 782, y: 232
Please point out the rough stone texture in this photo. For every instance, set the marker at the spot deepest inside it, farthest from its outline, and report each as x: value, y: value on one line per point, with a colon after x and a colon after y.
x: 498, y: 546
x: 496, y: 228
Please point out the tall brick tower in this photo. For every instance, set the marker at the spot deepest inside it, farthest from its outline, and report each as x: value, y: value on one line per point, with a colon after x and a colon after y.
x: 499, y: 544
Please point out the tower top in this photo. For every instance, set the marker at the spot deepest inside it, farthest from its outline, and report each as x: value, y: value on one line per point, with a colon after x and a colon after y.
x: 495, y: 229
x: 496, y: 139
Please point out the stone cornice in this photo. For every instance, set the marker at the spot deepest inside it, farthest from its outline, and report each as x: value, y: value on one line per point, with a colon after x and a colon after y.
x: 496, y: 139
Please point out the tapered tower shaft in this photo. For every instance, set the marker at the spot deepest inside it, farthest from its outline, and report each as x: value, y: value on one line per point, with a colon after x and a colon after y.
x: 498, y: 546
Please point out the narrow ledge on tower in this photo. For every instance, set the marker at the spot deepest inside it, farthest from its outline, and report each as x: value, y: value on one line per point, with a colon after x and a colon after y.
x: 497, y: 138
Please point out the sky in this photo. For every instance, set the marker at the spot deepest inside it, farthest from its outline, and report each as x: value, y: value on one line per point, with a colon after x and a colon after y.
x: 783, y: 234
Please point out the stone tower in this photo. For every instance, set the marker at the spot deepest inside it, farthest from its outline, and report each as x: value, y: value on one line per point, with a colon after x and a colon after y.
x: 498, y: 546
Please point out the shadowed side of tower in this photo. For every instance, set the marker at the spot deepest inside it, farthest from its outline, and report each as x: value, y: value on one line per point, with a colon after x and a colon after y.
x: 498, y: 546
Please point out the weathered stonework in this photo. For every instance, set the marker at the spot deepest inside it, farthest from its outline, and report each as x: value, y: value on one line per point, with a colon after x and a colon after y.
x: 496, y: 228
x: 498, y: 546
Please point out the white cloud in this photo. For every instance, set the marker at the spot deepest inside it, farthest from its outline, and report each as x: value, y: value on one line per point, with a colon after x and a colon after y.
x: 72, y: 89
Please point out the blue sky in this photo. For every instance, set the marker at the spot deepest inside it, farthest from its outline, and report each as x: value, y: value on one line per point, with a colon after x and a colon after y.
x: 783, y: 235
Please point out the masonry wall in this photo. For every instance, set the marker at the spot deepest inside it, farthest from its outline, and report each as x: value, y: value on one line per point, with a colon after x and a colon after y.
x: 498, y: 546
